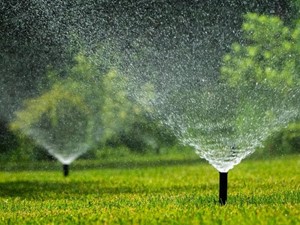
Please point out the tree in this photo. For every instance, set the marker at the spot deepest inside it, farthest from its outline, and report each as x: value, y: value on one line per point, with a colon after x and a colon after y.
x: 269, y: 57
x: 87, y: 104
x: 267, y: 61
x: 66, y: 119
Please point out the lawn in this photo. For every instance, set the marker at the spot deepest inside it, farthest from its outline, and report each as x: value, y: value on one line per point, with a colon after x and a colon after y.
x: 156, y: 192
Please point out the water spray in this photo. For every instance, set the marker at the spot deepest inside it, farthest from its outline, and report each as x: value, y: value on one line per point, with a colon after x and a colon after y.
x: 223, y: 188
x: 66, y: 169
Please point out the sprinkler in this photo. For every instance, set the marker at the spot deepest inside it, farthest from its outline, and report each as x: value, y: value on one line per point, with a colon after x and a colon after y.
x: 223, y: 188
x: 66, y: 169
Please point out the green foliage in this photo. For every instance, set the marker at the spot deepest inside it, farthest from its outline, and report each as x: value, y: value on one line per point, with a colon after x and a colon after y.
x: 88, y: 101
x: 8, y: 139
x: 291, y: 137
x: 118, y: 111
x: 268, y: 60
x: 259, y: 192
x: 269, y: 56
x: 286, y: 141
x: 52, y: 105
x: 128, y: 122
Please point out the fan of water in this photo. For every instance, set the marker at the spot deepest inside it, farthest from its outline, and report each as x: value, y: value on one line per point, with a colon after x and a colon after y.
x: 66, y: 131
x: 224, y: 125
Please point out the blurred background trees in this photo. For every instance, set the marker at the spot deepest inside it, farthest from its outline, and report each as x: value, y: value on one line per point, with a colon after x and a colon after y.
x: 268, y: 57
x: 88, y: 105
x: 50, y: 44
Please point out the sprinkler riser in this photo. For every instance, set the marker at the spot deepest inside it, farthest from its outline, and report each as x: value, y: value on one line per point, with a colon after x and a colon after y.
x: 66, y: 170
x: 223, y: 188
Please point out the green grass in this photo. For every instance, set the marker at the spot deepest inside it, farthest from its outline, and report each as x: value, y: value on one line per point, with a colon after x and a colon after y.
x: 160, y: 192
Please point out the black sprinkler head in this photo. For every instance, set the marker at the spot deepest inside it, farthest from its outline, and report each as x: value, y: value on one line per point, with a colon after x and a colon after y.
x: 223, y: 188
x: 66, y: 170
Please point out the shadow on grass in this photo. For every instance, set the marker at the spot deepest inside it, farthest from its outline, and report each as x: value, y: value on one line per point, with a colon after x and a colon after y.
x: 186, y: 194
x: 72, y: 190
x: 90, y: 164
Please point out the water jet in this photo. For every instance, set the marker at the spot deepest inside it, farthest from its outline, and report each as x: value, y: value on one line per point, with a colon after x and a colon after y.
x: 63, y: 125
